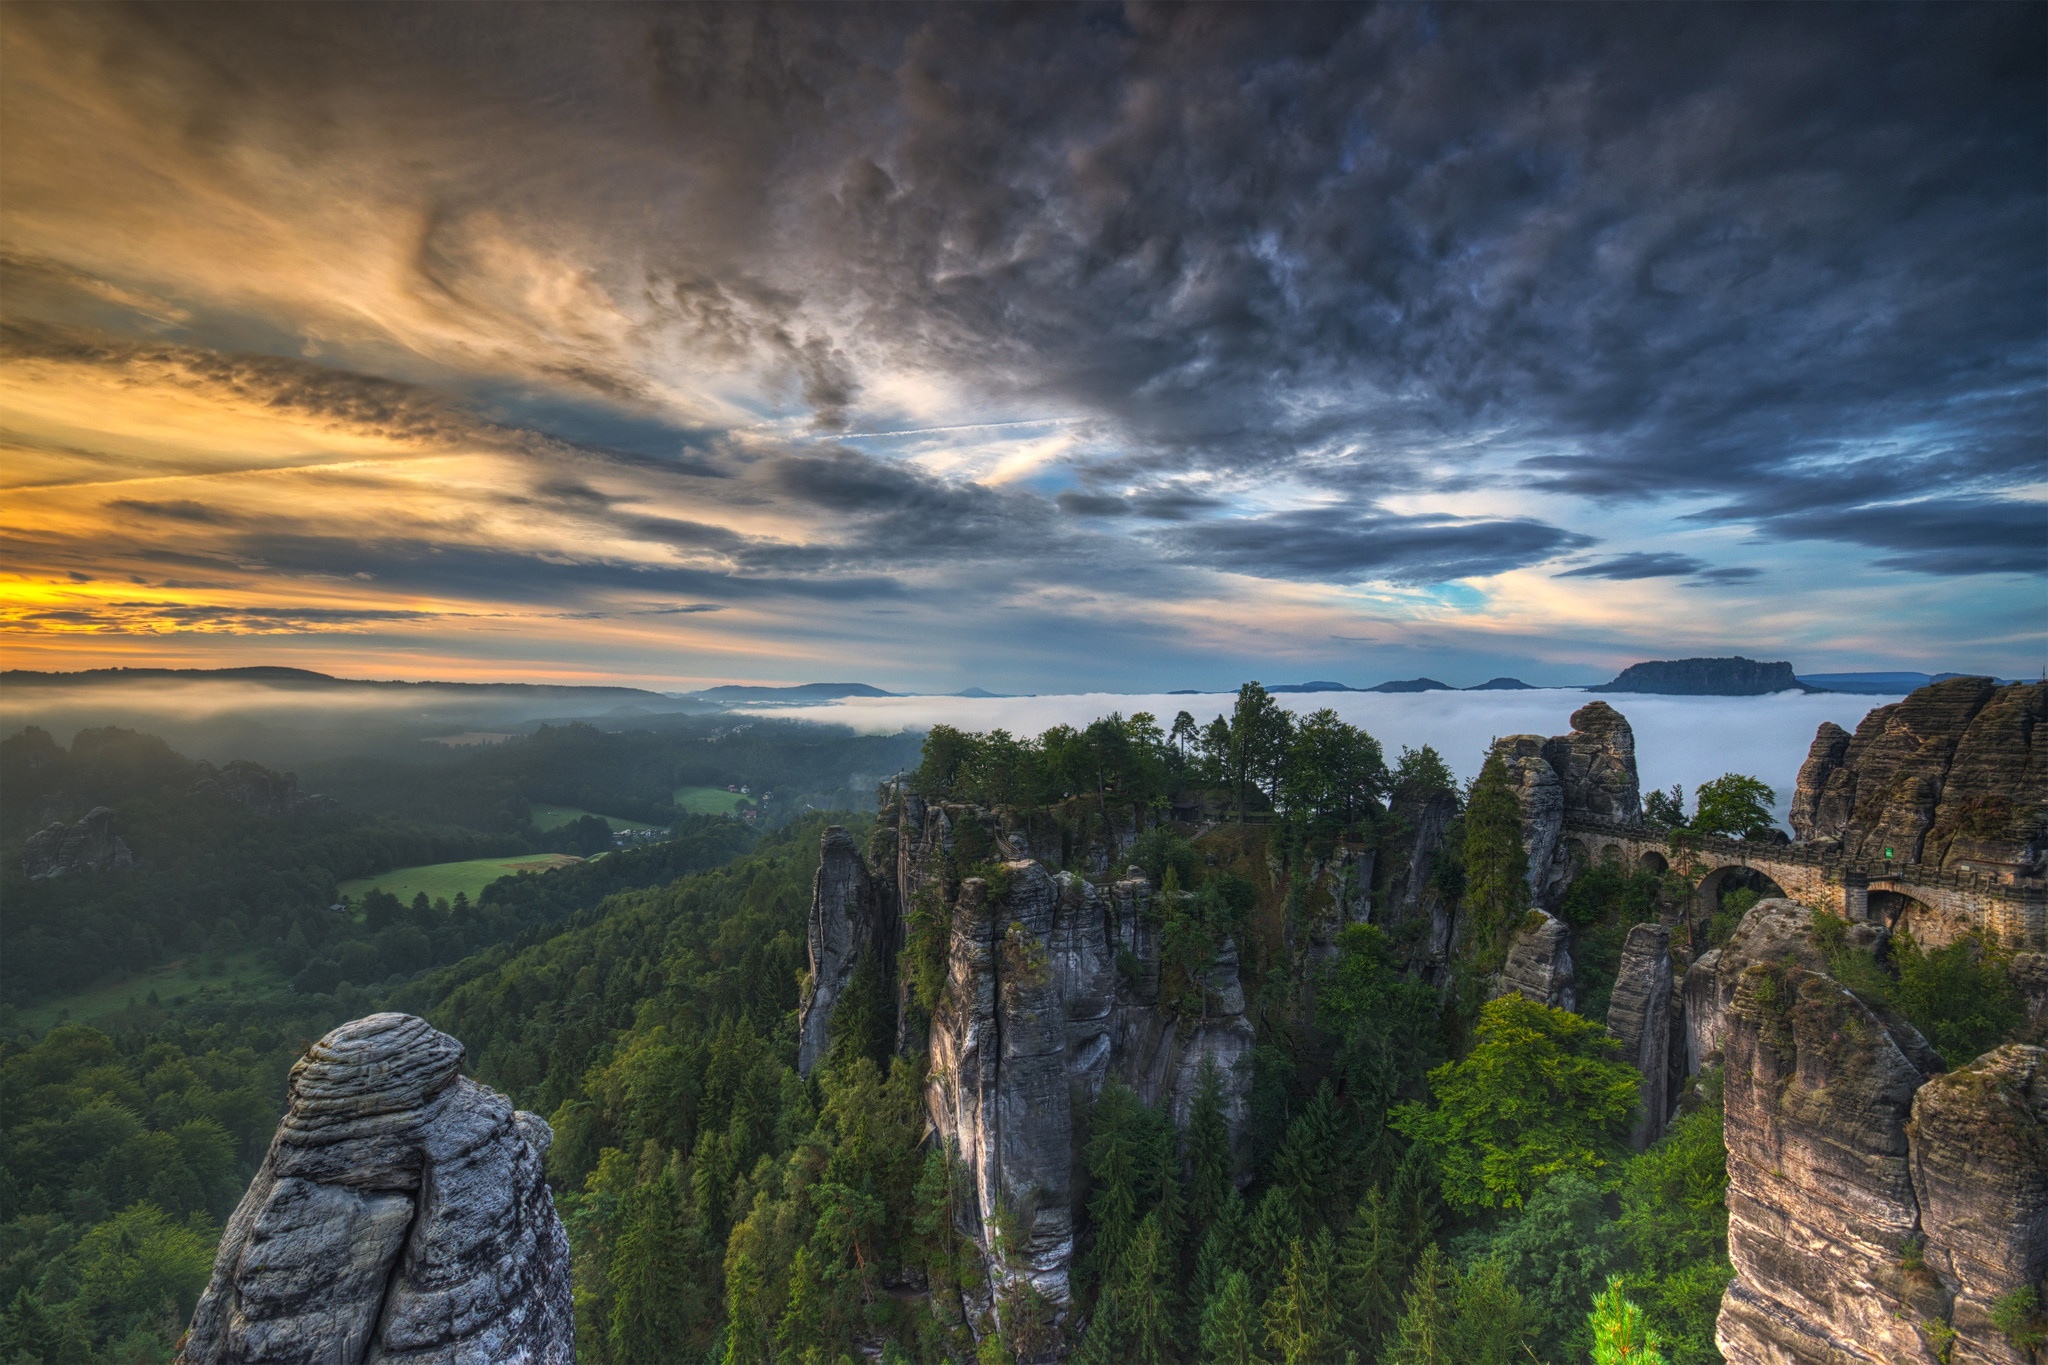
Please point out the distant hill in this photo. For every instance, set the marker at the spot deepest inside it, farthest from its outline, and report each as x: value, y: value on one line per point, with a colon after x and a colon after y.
x: 1413, y: 685
x: 1311, y: 687
x: 799, y: 692
x: 1878, y: 684
x: 1502, y: 685
x: 1734, y: 677
x: 980, y: 692
x: 305, y: 680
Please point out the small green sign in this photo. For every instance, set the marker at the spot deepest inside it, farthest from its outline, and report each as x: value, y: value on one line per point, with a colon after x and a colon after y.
x: 1887, y: 853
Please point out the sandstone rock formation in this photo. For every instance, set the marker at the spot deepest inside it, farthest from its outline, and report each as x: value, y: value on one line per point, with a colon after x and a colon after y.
x: 1052, y: 985
x: 1539, y: 963
x: 87, y: 845
x: 1820, y: 1194
x: 847, y: 927
x: 1951, y: 776
x: 1589, y: 772
x: 1979, y: 1157
x: 1876, y: 1207
x: 400, y: 1215
x: 1639, y: 1017
x: 1424, y: 819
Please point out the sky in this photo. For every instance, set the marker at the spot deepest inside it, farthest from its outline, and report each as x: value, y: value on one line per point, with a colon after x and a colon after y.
x: 1072, y: 348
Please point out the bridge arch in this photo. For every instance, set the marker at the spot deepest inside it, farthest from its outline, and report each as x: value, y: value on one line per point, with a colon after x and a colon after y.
x: 1731, y: 877
x: 1653, y: 861
x: 1931, y: 926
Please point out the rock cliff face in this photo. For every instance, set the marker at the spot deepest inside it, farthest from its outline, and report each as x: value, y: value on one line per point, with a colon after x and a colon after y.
x: 1589, y: 772
x: 1820, y: 1193
x: 1425, y: 819
x: 400, y: 1215
x: 1952, y: 776
x: 1052, y: 985
x: 1875, y: 1205
x: 847, y: 926
x: 1978, y: 1145
x: 87, y: 845
x: 1639, y: 1017
x: 1539, y: 964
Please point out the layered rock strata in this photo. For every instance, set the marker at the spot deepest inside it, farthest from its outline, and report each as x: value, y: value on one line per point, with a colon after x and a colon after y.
x: 1978, y: 1149
x: 400, y: 1215
x: 88, y: 844
x: 1951, y: 777
x: 1877, y: 1208
x: 1539, y: 963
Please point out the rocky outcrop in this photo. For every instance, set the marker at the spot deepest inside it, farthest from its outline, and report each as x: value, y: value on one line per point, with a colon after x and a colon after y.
x: 1423, y: 821
x: 400, y: 1215
x: 1877, y: 1208
x: 87, y: 845
x: 847, y: 928
x: 1821, y: 1207
x: 257, y: 787
x: 1052, y: 984
x: 1539, y: 963
x: 1979, y: 1157
x: 1639, y: 1018
x: 1590, y: 772
x: 1735, y: 677
x: 1951, y: 777
x: 1596, y: 765
x: 1824, y: 758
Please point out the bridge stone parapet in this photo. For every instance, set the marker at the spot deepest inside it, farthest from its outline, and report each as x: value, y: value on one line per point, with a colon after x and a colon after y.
x: 1937, y: 905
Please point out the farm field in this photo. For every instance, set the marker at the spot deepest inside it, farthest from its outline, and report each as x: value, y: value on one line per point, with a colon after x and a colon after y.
x: 440, y: 880
x: 554, y: 817
x: 710, y: 800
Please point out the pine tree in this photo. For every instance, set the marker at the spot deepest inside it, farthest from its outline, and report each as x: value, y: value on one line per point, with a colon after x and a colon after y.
x: 1230, y: 1324
x: 1372, y: 1264
x: 1208, y: 1142
x: 1312, y: 1161
x: 1621, y: 1334
x: 1276, y: 1224
x: 1493, y: 1322
x: 1223, y: 1248
x: 1425, y: 1334
x: 1147, y: 1299
x: 1300, y: 1321
x: 1496, y: 864
x: 1117, y: 1161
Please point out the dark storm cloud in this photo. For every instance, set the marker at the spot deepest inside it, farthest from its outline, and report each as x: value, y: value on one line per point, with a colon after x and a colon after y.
x: 1786, y: 259
x: 1335, y: 544
x: 1639, y: 564
x: 1942, y: 536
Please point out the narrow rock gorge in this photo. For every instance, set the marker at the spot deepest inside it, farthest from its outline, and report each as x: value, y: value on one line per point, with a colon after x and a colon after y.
x: 400, y: 1215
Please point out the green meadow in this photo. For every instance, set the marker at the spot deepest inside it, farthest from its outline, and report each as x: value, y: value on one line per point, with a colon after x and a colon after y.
x: 710, y: 800
x: 443, y: 880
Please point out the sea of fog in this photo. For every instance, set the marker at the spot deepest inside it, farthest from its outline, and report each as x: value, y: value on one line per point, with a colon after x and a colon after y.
x: 1684, y: 740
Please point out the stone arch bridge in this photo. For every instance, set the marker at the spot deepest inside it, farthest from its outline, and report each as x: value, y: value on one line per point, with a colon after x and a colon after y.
x: 1935, y: 905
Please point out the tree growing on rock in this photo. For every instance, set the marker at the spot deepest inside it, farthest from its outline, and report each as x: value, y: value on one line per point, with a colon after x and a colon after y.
x: 1733, y: 806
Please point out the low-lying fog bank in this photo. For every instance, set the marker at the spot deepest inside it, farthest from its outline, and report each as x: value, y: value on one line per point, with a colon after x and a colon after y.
x: 1687, y: 740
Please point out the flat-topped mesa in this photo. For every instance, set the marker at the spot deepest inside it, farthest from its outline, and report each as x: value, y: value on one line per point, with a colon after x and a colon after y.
x: 400, y: 1215
x: 1954, y: 777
